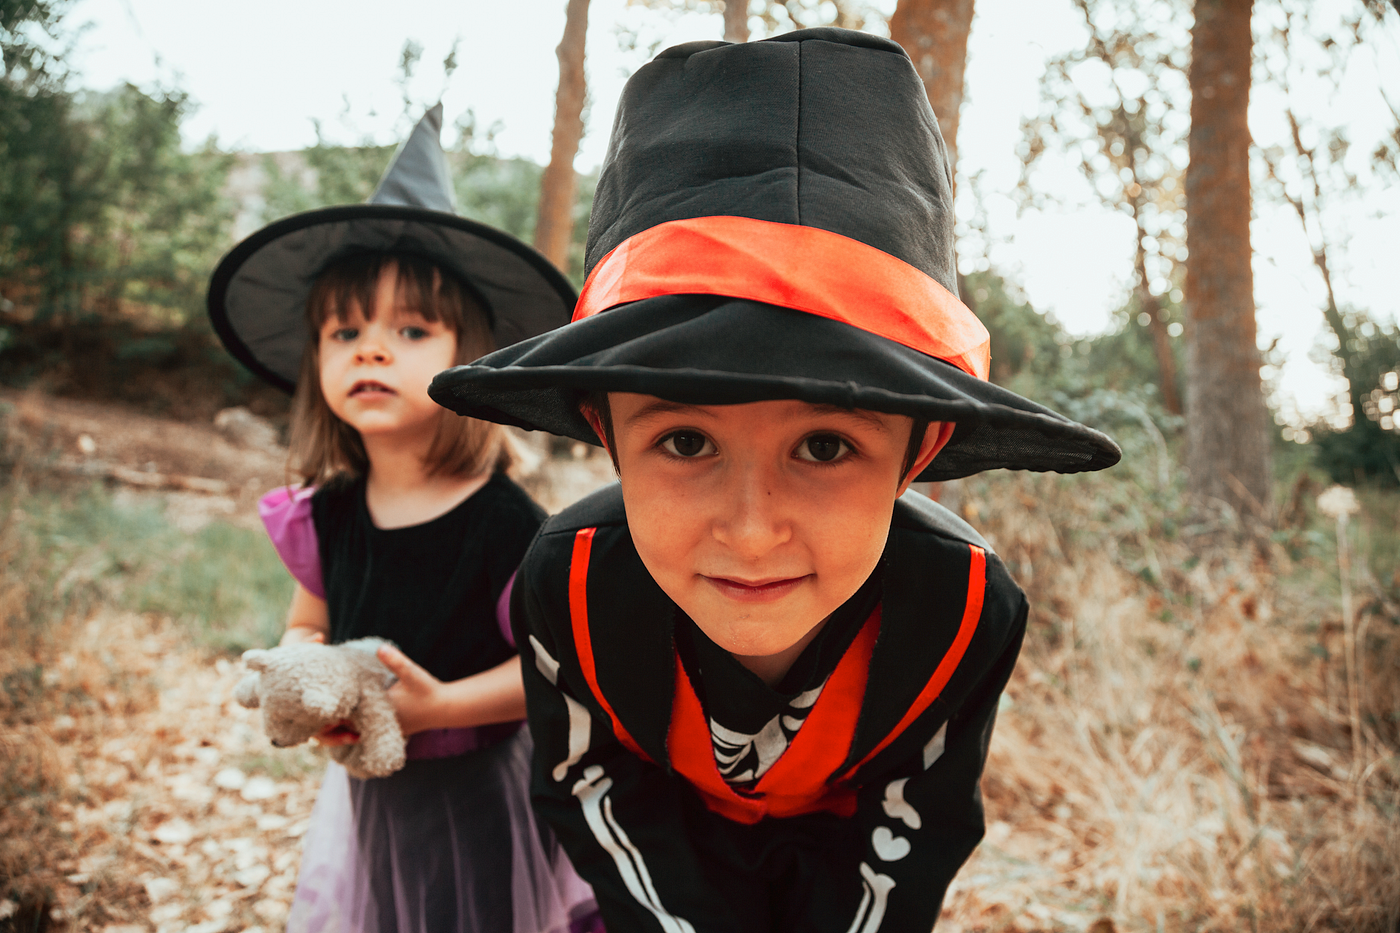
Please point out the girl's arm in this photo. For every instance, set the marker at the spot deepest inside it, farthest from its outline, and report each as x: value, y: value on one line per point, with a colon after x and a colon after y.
x: 307, y: 619
x: 424, y: 702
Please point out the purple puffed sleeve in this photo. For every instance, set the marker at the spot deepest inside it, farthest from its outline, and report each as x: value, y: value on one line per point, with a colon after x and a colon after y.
x: 503, y: 611
x: 286, y: 514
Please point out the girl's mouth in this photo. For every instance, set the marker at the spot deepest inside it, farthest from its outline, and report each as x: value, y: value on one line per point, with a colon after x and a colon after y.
x: 756, y: 591
x: 370, y: 387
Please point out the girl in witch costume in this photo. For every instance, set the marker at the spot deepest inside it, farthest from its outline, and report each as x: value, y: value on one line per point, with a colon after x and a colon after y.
x: 761, y: 675
x: 407, y: 528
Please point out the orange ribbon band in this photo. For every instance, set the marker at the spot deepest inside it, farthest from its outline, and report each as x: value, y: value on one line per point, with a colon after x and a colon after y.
x: 803, y: 268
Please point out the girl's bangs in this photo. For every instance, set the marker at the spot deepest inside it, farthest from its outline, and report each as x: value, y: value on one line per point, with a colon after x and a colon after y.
x: 421, y: 288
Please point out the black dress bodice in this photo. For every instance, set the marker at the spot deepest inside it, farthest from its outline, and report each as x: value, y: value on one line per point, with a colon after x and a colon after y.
x: 430, y: 588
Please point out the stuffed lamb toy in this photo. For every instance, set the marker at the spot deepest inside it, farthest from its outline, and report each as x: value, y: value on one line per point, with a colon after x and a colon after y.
x: 303, y: 688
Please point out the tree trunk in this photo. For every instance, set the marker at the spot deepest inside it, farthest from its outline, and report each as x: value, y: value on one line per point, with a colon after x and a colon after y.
x: 555, y: 223
x: 934, y: 33
x: 736, y: 20
x: 1228, y: 453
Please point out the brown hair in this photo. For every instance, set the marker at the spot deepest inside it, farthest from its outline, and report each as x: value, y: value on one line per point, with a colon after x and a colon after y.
x: 325, y: 449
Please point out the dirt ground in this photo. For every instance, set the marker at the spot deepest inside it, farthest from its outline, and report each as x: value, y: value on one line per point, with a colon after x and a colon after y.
x: 183, y: 826
x: 220, y: 468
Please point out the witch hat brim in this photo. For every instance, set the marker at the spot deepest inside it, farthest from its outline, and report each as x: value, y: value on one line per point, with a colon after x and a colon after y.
x: 774, y: 221
x: 711, y: 350
x: 257, y: 295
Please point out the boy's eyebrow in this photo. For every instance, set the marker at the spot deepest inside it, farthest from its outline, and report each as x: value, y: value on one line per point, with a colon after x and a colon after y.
x: 663, y: 406
x: 869, y: 417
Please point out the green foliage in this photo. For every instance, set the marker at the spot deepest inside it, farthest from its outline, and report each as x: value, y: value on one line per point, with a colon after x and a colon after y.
x: 1025, y: 342
x: 1124, y: 357
x: 321, y: 176
x: 1032, y: 353
x: 100, y: 207
x: 1369, y: 449
x: 1105, y: 381
x: 504, y: 193
x: 28, y: 34
x: 501, y: 192
x: 74, y: 552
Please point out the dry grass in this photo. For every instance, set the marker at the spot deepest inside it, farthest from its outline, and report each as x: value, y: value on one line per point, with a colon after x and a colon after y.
x: 133, y: 793
x: 1174, y: 750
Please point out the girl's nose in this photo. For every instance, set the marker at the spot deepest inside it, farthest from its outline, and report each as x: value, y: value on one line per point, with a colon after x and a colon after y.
x: 371, y: 348
x: 754, y: 520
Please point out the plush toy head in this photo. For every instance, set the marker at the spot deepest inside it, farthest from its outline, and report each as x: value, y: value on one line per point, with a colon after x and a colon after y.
x: 301, y: 689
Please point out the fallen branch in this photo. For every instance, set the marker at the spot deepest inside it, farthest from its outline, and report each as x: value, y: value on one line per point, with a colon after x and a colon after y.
x: 214, y: 487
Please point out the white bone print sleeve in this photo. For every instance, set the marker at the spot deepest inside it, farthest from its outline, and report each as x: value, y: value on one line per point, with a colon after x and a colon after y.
x: 579, y: 719
x: 618, y: 816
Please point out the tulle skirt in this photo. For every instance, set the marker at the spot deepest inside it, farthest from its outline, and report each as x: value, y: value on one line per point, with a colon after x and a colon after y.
x: 447, y: 845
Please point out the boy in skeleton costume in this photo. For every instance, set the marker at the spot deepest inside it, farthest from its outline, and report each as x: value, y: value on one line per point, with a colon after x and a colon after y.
x: 761, y: 676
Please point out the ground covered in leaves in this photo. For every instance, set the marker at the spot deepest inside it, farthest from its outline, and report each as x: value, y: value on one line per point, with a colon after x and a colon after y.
x: 154, y: 801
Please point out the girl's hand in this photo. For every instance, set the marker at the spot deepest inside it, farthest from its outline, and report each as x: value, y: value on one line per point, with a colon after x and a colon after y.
x: 418, y: 697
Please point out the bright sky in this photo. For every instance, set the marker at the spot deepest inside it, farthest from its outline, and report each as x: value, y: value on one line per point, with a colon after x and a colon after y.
x: 263, y: 72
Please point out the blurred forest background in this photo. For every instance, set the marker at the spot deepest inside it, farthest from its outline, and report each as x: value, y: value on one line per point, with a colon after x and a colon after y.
x: 1203, y: 731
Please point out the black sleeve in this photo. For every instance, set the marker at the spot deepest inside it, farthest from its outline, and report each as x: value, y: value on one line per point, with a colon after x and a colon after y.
x: 924, y: 817
x: 512, y: 522
x: 620, y: 818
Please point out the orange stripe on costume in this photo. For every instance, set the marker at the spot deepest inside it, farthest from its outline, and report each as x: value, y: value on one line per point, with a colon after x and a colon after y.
x: 972, y: 612
x: 800, y: 780
x: 583, y: 639
x: 803, y: 268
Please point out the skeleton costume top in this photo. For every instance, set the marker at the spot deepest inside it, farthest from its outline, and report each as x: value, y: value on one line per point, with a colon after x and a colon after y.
x: 872, y: 806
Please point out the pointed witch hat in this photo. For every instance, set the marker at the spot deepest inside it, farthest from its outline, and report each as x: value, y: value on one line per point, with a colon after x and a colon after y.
x: 774, y: 221
x: 257, y: 296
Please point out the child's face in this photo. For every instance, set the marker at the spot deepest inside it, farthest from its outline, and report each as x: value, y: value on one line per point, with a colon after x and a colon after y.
x: 375, y: 370
x: 761, y: 519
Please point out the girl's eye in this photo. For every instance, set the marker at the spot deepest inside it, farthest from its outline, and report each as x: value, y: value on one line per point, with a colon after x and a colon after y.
x: 822, y: 448
x: 345, y: 334
x: 413, y: 333
x: 687, y: 444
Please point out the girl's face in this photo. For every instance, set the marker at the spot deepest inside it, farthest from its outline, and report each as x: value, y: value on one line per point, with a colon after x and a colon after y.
x: 375, y: 370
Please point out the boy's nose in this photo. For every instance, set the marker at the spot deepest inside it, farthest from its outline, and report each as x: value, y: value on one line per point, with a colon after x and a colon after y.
x: 755, y: 521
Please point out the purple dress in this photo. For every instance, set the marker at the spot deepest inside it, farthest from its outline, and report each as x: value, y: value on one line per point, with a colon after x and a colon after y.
x: 449, y: 844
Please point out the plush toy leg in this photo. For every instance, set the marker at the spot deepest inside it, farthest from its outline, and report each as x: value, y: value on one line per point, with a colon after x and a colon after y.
x: 380, y: 751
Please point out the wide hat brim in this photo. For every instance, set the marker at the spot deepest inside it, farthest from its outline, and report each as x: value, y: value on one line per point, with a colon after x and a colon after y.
x: 702, y: 349
x: 257, y: 296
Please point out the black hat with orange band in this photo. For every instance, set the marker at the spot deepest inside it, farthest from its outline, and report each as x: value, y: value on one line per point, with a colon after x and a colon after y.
x: 774, y: 221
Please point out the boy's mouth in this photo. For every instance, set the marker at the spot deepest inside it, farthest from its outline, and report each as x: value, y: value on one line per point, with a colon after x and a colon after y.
x: 368, y: 387
x: 755, y: 591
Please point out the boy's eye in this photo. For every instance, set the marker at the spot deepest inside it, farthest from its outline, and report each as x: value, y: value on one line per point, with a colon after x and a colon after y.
x: 822, y: 448
x: 687, y: 444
